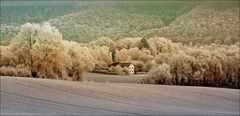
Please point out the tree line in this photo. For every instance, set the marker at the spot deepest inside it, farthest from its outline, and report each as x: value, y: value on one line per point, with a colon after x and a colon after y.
x: 39, y: 51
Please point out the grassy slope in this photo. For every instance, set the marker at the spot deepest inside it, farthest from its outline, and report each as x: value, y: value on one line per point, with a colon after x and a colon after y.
x: 103, y: 21
x: 14, y: 14
x: 167, y: 10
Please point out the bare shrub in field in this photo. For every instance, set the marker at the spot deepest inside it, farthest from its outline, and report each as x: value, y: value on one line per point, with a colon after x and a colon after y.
x: 81, y: 59
x: 159, y: 75
x: 23, y: 72
x: 7, y: 57
x: 119, y: 70
x: 7, y: 71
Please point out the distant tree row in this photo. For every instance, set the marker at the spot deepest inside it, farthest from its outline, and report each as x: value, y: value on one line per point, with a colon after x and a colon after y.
x: 39, y: 51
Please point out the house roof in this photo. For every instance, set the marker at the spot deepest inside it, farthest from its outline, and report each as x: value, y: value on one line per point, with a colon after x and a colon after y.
x: 134, y: 62
x: 114, y: 64
x: 125, y: 64
x: 122, y: 64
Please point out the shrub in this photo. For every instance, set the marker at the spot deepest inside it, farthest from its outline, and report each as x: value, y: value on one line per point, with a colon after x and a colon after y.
x: 7, y: 57
x: 81, y: 60
x: 23, y: 72
x: 119, y: 70
x: 159, y: 75
x: 7, y: 71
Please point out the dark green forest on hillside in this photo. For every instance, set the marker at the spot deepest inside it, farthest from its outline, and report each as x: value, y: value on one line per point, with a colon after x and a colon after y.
x: 84, y: 21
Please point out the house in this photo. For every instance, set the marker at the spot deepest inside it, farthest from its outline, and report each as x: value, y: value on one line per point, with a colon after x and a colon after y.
x: 129, y: 66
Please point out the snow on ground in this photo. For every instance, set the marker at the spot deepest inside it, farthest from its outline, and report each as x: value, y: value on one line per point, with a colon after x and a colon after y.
x: 54, y: 97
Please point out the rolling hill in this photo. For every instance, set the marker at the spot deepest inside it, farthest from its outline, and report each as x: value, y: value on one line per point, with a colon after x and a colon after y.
x: 82, y: 21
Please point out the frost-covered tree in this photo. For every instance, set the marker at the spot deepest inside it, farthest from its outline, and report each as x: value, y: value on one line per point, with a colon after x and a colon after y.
x: 160, y: 45
x: 40, y: 47
x: 134, y: 53
x: 21, y: 46
x: 48, y: 52
x: 103, y: 57
x: 81, y: 60
x: 159, y: 75
x: 122, y: 55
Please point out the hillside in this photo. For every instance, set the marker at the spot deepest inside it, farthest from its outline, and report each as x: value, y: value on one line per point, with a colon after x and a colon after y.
x: 201, y: 25
x: 182, y: 21
x: 122, y: 18
x: 98, y: 22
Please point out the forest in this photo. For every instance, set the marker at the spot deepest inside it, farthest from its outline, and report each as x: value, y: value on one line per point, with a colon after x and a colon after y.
x: 39, y: 50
